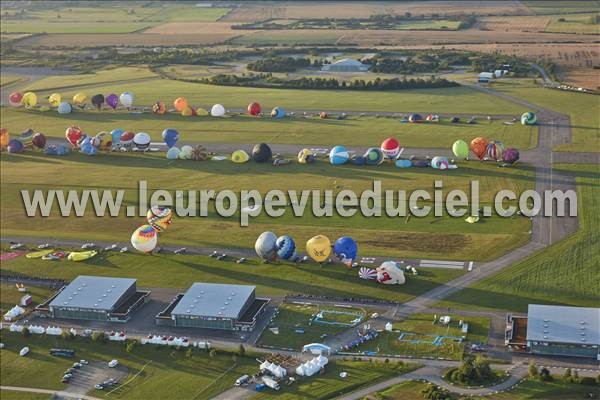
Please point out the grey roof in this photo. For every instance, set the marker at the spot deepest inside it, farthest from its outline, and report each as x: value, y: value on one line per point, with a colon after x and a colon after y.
x: 214, y: 300
x: 560, y: 324
x: 93, y: 292
x: 349, y: 62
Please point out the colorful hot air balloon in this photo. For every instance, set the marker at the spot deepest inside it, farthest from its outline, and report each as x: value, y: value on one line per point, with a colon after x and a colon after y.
x: 127, y: 138
x: 345, y: 249
x: 305, y: 156
x: 367, y: 273
x: 170, y: 137
x: 98, y: 139
x: 439, y: 162
x: 510, y: 155
x: 187, y: 112
x: 15, y: 146
x: 338, y: 155
x: 98, y: 101
x: 528, y: 118
x: 277, y: 113
x: 319, y: 248
x: 54, y: 99
x: 29, y: 99
x: 390, y: 147
x: 286, y: 247
x: 460, y: 148
x: 494, y: 150
x: 159, y: 108
x: 64, y: 108
x: 199, y: 153
x: 180, y: 104
x: 115, y: 137
x: 38, y: 140
x: 390, y: 273
x: 415, y: 118
x: 141, y: 140
x: 4, y: 138
x: 266, y: 246
x: 239, y: 157
x: 172, y: 153
x: 26, y: 137
x: 323, y: 115
x: 478, y: 146
x: 261, y: 153
x: 15, y: 99
x: 112, y: 100
x: 79, y: 99
x: 186, y: 152
x: 73, y: 135
x: 160, y: 218
x: 144, y: 238
x: 217, y: 110
x: 373, y: 156
x: 87, y: 147
x: 126, y: 98
x: 254, y: 109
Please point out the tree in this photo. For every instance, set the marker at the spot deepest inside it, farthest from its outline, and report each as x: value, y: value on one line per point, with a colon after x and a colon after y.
x: 189, y: 353
x: 432, y: 392
x: 533, y: 369
x: 130, y: 346
x: 567, y: 376
x: 25, y: 332
x: 242, y: 350
x: 212, y: 353
x: 66, y: 335
x: 545, y: 375
x: 99, y: 337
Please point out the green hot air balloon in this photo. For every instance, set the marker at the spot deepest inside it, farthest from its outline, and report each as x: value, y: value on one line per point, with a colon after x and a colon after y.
x: 460, y: 148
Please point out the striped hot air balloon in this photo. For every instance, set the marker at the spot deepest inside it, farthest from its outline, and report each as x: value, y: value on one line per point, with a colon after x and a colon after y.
x: 367, y: 273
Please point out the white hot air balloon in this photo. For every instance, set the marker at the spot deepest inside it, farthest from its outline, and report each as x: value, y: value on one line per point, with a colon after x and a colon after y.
x: 126, y: 98
x: 217, y: 110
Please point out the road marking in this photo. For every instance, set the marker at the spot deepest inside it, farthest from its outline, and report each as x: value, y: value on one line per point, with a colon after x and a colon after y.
x: 442, y: 264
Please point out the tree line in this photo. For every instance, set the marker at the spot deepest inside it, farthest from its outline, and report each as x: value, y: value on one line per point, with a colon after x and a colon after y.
x: 280, y: 64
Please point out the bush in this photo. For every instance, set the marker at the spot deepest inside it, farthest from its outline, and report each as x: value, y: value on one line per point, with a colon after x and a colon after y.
x: 533, y: 370
x: 432, y: 392
x: 587, y: 380
x: 545, y: 375
x: 25, y: 332
x: 99, y: 337
x: 130, y: 346
x: 66, y: 335
x: 242, y: 350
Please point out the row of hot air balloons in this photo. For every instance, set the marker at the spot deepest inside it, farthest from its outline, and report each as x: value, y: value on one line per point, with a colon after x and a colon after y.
x: 483, y: 148
x: 269, y: 248
x: 145, y: 238
x: 55, y: 100
x: 27, y: 139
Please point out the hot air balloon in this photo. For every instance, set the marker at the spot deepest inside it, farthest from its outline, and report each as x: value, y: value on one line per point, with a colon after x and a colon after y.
x: 141, y: 140
x: 159, y: 108
x: 439, y: 162
x: 185, y: 152
x: 15, y: 146
x: 4, y: 138
x: 403, y: 163
x: 26, y: 137
x: 199, y: 153
x: 239, y: 157
x: 254, y: 109
x: 173, y: 153
x: 54, y: 150
x: 345, y: 249
x: 217, y: 110
x: 319, y: 248
x: 460, y: 148
x: 390, y: 147
x: 358, y: 160
x: 266, y: 246
x: 73, y: 135
x: 415, y: 118
x: 187, y: 112
x: 338, y: 155
x: 305, y: 156
x: 374, y: 156
x: 98, y: 139
x: 86, y: 146
x: 144, y: 238
x: 323, y: 115
x: 126, y: 98
x: 159, y: 217
x: 286, y: 247
x: 79, y: 99
x: 64, y: 108
x: 15, y: 99
x: 38, y: 140
x: 127, y: 138
x: 494, y: 150
x: 98, y: 101
x: 478, y: 147
x: 112, y: 100
x: 277, y: 113
x: 510, y: 155
x: 528, y: 118
x: 180, y: 104
x: 390, y: 273
x: 115, y: 137
x: 170, y: 137
x: 29, y: 99
x: 367, y: 273
x: 54, y: 99
x: 261, y: 153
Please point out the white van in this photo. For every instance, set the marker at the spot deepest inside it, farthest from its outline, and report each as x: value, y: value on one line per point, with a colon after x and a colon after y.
x: 113, y: 363
x: 242, y: 380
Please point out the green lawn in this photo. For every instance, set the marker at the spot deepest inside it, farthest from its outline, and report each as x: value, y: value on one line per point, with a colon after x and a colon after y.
x: 441, y: 237
x: 169, y: 375
x: 298, y: 316
x: 565, y: 273
x: 578, y: 23
x: 71, y: 27
x: 12, y: 395
x: 330, y: 385
x: 6, y: 79
x: 557, y: 6
x: 9, y: 296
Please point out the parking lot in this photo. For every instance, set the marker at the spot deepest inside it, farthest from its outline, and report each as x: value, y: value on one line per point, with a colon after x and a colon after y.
x: 87, y: 376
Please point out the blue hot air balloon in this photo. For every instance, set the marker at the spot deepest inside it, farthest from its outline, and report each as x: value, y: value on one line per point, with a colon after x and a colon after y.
x: 277, y: 113
x: 87, y: 147
x: 345, y: 248
x: 170, y: 137
x: 286, y: 248
x: 115, y: 136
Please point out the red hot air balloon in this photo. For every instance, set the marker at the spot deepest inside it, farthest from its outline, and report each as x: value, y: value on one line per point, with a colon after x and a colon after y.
x: 15, y: 99
x: 479, y: 146
x: 127, y: 138
x: 39, y: 140
x: 390, y: 147
x: 73, y: 135
x: 254, y: 109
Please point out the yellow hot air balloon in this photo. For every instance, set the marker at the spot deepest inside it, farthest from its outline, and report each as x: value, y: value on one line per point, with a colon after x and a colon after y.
x: 187, y: 112
x: 319, y: 248
x: 180, y: 104
x: 29, y: 99
x: 4, y: 138
x: 54, y: 99
x: 201, y: 111
x: 239, y: 157
x: 79, y: 99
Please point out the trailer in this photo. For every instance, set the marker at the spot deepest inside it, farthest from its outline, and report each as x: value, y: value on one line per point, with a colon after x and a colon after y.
x: 270, y: 382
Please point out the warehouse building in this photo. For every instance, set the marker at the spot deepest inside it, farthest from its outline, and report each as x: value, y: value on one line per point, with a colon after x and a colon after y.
x: 215, y: 306
x: 346, y: 65
x: 96, y: 298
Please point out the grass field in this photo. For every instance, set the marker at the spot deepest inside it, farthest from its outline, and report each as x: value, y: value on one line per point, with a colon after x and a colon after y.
x: 329, y: 385
x: 565, y: 273
x: 557, y: 6
x: 298, y: 316
x: 12, y: 395
x: 10, y: 296
x: 6, y: 79
x: 583, y: 23
x: 170, y: 374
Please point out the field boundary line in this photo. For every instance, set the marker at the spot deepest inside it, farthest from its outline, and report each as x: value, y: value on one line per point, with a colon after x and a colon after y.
x: 214, y: 380
x: 131, y: 379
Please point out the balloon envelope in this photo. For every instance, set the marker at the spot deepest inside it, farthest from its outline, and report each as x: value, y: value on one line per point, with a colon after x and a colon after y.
x: 126, y: 98
x: 239, y: 157
x: 186, y: 152
x: 254, y: 109
x: 144, y: 238
x: 286, y: 247
x: 415, y: 118
x: 478, y: 147
x: 305, y: 156
x: 15, y: 99
x: 29, y: 99
x: 374, y: 156
x: 180, y: 104
x: 127, y: 138
x: 217, y: 110
x: 528, y: 118
x: 390, y: 147
x: 262, y: 153
x: 4, y: 137
x: 346, y: 249
x: 277, y: 113
x: 439, y: 162
x: 73, y: 134
x: 170, y: 137
x: 338, y: 155
x: 112, y: 100
x: 79, y: 99
x: 266, y: 246
x: 319, y: 248
x: 39, y: 140
x: 510, y: 155
x: 159, y: 108
x: 54, y: 99
x: 460, y: 148
x: 141, y: 140
x: 15, y: 146
x: 159, y: 217
x: 494, y: 150
x: 115, y: 136
x: 64, y: 108
x: 98, y: 100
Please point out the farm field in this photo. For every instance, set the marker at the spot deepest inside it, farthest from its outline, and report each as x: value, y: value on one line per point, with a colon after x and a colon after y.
x: 529, y: 23
x: 564, y: 273
x: 583, y: 23
x: 557, y: 7
x: 582, y: 77
x: 292, y: 317
x: 168, y: 372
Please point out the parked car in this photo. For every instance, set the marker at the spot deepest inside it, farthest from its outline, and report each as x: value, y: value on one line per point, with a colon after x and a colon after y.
x: 113, y: 363
x: 76, y: 365
x: 83, y: 362
x: 99, y: 386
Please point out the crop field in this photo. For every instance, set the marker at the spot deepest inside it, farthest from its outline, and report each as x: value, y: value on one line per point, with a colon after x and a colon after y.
x: 290, y: 37
x: 557, y: 6
x: 84, y: 40
x: 530, y: 23
x: 583, y: 23
x: 582, y: 77
x: 195, y: 28
x: 565, y: 273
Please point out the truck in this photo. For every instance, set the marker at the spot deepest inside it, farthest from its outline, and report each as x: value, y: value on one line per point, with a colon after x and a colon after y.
x: 270, y: 382
x: 62, y: 352
x: 242, y: 380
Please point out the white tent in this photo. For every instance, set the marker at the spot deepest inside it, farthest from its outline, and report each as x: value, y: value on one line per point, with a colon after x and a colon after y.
x: 53, y: 330
x: 301, y: 370
x: 13, y: 313
x: 278, y: 371
x: 389, y: 326
x: 322, y: 360
x: 265, y: 365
